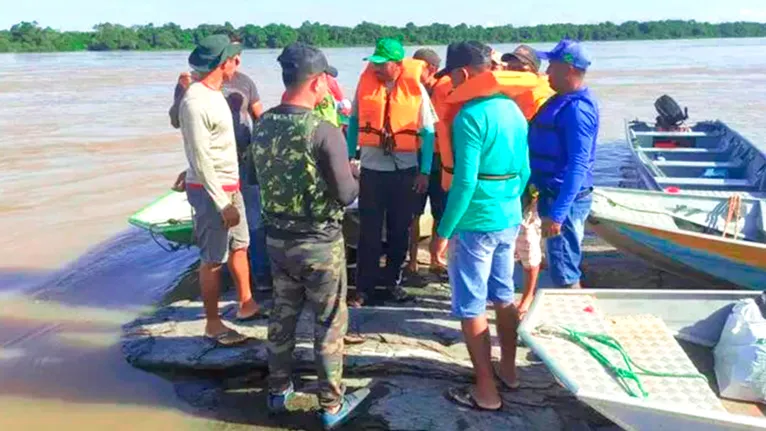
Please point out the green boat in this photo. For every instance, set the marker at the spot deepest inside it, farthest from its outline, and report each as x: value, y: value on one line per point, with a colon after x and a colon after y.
x: 169, y: 217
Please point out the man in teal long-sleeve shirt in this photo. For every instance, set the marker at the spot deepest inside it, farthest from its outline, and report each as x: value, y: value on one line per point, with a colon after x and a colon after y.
x: 391, y: 178
x: 482, y: 219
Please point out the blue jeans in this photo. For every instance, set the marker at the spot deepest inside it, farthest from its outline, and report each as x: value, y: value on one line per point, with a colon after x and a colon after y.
x: 259, y: 259
x: 480, y: 269
x: 565, y: 250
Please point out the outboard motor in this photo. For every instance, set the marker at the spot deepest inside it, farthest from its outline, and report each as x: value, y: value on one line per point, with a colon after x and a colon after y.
x: 671, y: 116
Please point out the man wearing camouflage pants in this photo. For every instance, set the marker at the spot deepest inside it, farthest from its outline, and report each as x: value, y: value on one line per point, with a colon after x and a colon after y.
x: 306, y: 181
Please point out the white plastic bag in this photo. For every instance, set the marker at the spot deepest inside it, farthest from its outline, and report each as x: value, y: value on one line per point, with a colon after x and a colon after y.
x: 740, y: 356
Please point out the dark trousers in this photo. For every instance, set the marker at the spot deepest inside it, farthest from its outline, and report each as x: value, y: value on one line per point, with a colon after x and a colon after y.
x: 389, y: 196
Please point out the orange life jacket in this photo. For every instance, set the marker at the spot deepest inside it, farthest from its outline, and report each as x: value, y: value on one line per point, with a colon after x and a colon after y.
x: 531, y: 101
x: 391, y: 119
x: 441, y: 90
x: 511, y: 84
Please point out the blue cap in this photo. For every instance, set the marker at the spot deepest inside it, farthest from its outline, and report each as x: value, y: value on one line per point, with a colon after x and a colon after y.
x: 570, y: 52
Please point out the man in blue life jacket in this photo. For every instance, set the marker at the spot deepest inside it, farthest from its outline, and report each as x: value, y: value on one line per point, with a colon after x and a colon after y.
x: 562, y: 149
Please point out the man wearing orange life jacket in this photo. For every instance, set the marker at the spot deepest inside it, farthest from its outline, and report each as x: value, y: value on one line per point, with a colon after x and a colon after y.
x: 483, y: 212
x: 529, y: 242
x: 528, y: 90
x: 392, y: 118
x: 435, y: 194
x: 525, y: 59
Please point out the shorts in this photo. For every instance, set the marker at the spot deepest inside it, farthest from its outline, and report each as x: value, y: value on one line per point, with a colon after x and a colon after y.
x: 529, y: 243
x: 481, y: 269
x: 213, y: 240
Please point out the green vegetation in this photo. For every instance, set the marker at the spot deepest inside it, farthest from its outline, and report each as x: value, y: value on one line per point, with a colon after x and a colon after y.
x: 30, y: 37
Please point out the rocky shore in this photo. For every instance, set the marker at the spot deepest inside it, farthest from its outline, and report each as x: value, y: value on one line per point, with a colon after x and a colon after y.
x: 412, y: 354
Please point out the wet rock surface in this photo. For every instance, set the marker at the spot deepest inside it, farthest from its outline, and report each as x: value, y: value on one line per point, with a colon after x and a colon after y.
x: 412, y: 354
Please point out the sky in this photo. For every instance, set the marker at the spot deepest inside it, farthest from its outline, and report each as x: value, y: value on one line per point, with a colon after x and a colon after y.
x: 83, y: 14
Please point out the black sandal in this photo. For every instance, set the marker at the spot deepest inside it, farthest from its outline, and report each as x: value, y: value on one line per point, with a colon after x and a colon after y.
x: 464, y: 398
x: 258, y: 315
x: 511, y: 387
x: 399, y: 295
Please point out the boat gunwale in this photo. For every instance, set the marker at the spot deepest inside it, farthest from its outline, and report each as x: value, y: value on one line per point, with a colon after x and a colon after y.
x: 726, y: 240
x: 160, y: 227
x: 525, y: 332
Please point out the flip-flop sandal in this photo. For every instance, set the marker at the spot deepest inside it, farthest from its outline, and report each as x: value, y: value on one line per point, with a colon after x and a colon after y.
x: 258, y: 315
x: 511, y: 387
x: 228, y: 339
x: 464, y: 398
x: 437, y: 269
x: 354, y: 339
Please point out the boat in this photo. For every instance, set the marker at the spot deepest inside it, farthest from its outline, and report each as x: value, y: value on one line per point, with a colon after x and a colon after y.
x: 707, y: 158
x: 717, y: 240
x: 668, y: 333
x: 169, y: 217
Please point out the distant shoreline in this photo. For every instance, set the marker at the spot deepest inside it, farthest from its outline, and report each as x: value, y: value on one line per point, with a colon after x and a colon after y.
x: 31, y: 37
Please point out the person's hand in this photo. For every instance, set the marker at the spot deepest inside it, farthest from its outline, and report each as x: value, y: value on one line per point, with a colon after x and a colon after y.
x: 230, y: 216
x: 550, y: 228
x: 438, y: 246
x: 355, y: 166
x: 421, y: 184
x: 523, y: 306
x: 185, y: 80
x: 180, y: 184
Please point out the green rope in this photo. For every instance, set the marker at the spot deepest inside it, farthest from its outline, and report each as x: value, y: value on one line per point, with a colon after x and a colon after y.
x: 625, y: 374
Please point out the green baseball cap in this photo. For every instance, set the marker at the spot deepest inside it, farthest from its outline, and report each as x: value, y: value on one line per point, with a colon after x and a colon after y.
x: 386, y: 50
x: 212, y: 51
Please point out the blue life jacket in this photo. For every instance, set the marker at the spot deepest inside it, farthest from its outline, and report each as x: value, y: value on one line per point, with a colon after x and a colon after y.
x: 548, y: 155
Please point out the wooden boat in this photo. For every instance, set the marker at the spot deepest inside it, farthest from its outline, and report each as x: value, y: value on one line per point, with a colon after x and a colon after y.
x: 670, y: 332
x: 708, y: 158
x: 684, y: 234
x: 169, y: 216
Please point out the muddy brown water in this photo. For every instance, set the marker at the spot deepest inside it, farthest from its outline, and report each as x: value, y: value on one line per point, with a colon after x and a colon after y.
x: 86, y: 141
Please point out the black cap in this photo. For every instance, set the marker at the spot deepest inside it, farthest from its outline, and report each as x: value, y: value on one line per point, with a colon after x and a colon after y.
x: 429, y: 56
x: 526, y: 55
x: 300, y: 61
x: 463, y: 54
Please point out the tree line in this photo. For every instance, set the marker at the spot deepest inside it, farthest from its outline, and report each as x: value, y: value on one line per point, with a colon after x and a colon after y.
x: 31, y: 37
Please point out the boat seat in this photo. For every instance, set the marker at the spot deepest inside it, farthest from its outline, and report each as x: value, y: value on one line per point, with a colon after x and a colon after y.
x: 709, y: 182
x: 684, y: 150
x: 695, y: 164
x: 656, y: 134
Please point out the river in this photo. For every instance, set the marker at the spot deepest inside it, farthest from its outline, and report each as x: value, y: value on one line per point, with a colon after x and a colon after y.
x: 86, y: 141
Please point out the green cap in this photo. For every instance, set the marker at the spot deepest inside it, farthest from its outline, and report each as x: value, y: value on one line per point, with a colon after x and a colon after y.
x: 212, y: 51
x: 387, y: 50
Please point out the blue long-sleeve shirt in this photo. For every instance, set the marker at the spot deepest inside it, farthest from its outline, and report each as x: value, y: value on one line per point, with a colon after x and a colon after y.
x: 577, y: 126
x: 580, y: 121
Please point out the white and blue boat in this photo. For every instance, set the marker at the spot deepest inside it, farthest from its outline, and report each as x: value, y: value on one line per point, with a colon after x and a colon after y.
x: 717, y: 240
x: 707, y: 158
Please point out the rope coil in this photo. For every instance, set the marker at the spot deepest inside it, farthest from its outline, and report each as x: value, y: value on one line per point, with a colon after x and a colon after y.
x: 625, y: 374
x: 734, y: 212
